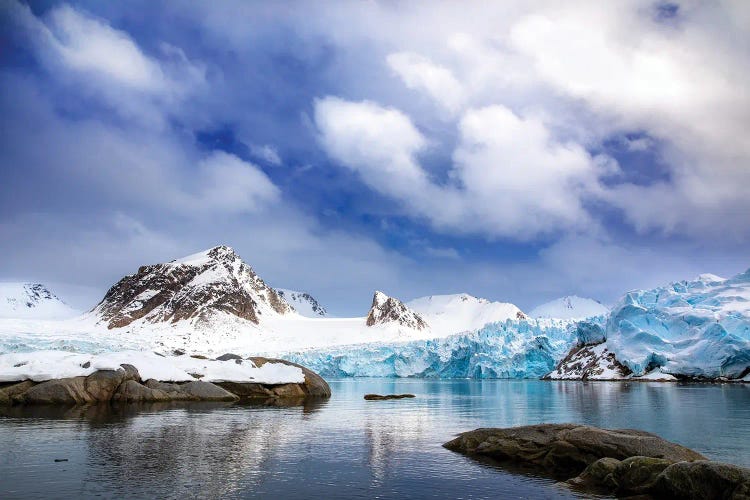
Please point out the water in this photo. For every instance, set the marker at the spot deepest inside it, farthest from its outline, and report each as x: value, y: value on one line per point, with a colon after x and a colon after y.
x: 346, y: 447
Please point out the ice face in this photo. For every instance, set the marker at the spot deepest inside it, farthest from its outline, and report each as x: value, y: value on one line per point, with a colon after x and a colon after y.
x: 698, y: 328
x: 510, y: 349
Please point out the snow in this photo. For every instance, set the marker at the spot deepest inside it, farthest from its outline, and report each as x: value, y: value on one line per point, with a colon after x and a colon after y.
x: 31, y: 300
x: 657, y: 376
x: 47, y: 365
x: 304, y: 303
x: 570, y: 307
x: 449, y: 314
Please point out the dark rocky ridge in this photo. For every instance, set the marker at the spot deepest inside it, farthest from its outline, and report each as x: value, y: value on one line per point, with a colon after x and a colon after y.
x: 125, y: 385
x: 387, y: 309
x: 218, y: 283
x: 624, y: 462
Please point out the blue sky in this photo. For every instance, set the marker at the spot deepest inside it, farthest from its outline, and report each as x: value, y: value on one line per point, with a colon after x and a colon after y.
x: 519, y: 151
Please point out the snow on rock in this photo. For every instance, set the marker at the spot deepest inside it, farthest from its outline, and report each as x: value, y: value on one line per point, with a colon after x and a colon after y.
x: 462, y: 312
x: 698, y: 328
x: 48, y: 365
x: 197, y: 288
x: 32, y: 300
x: 387, y: 309
x: 509, y: 349
x: 570, y: 307
x: 589, y: 362
x: 302, y: 302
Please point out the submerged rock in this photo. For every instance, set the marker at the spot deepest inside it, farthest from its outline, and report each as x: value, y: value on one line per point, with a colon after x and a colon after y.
x: 378, y: 397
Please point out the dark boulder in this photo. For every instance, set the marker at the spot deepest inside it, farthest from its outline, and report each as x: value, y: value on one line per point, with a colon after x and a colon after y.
x: 566, y: 449
x: 703, y: 479
x: 378, y: 397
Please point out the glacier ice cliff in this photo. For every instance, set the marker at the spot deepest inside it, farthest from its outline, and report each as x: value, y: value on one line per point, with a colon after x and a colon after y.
x: 698, y: 328
x: 509, y: 349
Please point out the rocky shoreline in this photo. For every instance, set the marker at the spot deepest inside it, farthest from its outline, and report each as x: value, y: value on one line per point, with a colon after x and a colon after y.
x: 623, y: 462
x: 126, y: 385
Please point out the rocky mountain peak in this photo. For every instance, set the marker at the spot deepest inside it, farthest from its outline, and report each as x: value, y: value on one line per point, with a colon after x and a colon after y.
x: 31, y: 300
x: 195, y: 287
x: 302, y: 302
x: 387, y: 309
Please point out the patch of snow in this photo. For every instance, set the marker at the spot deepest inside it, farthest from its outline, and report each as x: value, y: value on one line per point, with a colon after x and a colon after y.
x: 657, y: 376
x: 570, y: 307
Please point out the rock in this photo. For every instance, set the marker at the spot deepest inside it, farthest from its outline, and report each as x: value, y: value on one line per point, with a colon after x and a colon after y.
x: 206, y: 391
x: 247, y: 390
x: 595, y: 474
x: 7, y: 392
x: 387, y: 309
x: 703, y: 479
x: 566, y: 448
x: 228, y: 356
x: 192, y: 391
x: 99, y: 386
x: 637, y: 475
x: 131, y: 372
x: 132, y: 392
x: 378, y: 397
x: 314, y: 385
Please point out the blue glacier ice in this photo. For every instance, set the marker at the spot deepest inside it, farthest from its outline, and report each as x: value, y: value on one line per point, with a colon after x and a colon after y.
x: 510, y: 349
x: 698, y: 328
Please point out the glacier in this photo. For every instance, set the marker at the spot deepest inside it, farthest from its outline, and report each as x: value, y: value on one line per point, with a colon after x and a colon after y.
x: 508, y: 349
x: 698, y: 328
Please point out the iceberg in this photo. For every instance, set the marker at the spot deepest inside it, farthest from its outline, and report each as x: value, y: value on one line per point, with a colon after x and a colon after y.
x: 509, y: 349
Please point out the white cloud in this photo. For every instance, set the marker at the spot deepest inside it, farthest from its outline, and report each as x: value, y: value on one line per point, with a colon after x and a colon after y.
x: 84, y: 51
x: 418, y: 72
x: 229, y: 184
x: 267, y: 153
x: 510, y: 177
x: 89, y: 45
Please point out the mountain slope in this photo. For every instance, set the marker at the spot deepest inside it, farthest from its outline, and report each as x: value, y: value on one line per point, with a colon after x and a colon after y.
x: 462, y: 312
x: 569, y: 307
x: 198, y: 287
x: 302, y: 302
x: 32, y: 300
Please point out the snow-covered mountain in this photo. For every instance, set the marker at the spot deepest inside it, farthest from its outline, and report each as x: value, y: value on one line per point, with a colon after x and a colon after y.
x: 569, y: 307
x: 32, y: 300
x: 302, y: 302
x: 198, y: 287
x: 698, y: 328
x: 462, y: 312
x: 390, y: 310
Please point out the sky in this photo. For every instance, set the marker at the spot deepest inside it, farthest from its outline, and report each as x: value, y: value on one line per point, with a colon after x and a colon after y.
x: 517, y: 151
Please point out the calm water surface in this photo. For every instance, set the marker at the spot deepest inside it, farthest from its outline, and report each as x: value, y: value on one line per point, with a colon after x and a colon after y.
x: 346, y: 447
